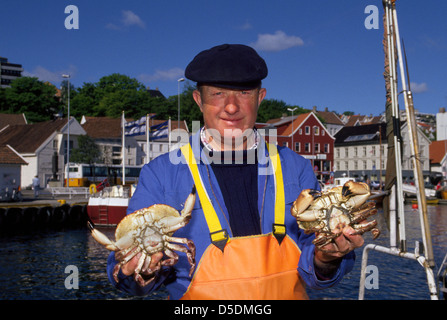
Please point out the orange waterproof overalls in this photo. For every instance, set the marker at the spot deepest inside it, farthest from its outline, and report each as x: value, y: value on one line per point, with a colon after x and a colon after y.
x: 246, y: 268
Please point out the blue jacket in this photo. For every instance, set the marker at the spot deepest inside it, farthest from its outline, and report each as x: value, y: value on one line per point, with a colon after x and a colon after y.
x: 167, y: 180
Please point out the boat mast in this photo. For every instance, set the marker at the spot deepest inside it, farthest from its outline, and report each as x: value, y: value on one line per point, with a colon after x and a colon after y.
x: 415, y: 154
x: 393, y: 179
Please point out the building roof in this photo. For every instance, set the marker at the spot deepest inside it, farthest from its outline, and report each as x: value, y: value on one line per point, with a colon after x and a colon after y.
x: 11, y: 119
x: 29, y: 137
x: 155, y: 93
x: 365, y: 134
x: 297, y: 122
x: 330, y: 117
x: 9, y: 156
x: 102, y: 127
x: 438, y: 149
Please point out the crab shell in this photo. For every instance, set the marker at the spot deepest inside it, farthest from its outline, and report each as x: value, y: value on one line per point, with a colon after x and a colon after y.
x: 327, y: 213
x: 161, y: 216
x: 149, y: 230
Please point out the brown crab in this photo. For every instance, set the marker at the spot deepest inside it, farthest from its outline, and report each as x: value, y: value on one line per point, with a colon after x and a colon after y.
x: 327, y: 213
x: 149, y: 230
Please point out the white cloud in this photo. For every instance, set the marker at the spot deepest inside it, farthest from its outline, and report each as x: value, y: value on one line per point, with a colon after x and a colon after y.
x: 418, y: 87
x: 276, y: 42
x: 128, y: 19
x: 54, y: 77
x: 245, y: 26
x: 162, y: 75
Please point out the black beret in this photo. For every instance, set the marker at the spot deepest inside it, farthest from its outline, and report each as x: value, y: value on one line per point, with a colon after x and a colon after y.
x: 228, y: 65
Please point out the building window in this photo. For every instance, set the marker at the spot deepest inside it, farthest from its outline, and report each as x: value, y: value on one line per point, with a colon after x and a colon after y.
x: 346, y: 152
x: 307, y: 130
x: 356, y: 165
x: 346, y: 165
x: 317, y: 147
x: 338, y: 153
x: 285, y: 144
x: 355, y: 152
x: 316, y: 130
x: 297, y: 147
x: 301, y: 131
x: 364, y: 151
x: 326, y: 148
x: 307, y: 147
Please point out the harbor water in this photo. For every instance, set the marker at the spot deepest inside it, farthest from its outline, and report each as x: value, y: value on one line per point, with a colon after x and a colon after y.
x: 69, y: 264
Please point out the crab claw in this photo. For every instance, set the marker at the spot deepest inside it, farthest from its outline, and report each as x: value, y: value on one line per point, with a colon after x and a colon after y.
x: 102, y: 238
x: 356, y: 192
x: 302, y: 203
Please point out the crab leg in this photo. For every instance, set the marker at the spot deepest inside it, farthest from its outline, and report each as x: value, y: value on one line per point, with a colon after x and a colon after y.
x: 124, y: 261
x: 119, y: 255
x: 173, y: 258
x: 190, y: 254
x: 370, y: 226
x: 365, y: 211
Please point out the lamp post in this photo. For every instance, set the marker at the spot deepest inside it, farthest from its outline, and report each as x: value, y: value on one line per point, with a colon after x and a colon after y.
x: 292, y: 110
x: 67, y: 76
x: 178, y: 98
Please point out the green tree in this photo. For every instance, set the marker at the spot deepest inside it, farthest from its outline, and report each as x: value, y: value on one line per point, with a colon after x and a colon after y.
x: 272, y: 109
x: 87, y: 152
x: 36, y: 99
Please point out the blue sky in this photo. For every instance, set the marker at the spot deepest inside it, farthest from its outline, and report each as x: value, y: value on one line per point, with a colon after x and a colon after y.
x: 319, y: 53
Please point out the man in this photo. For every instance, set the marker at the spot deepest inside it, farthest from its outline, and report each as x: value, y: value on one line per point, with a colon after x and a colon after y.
x: 36, y: 186
x: 257, y: 251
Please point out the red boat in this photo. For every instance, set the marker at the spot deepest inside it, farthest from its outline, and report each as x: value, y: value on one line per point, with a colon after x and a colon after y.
x: 108, y: 207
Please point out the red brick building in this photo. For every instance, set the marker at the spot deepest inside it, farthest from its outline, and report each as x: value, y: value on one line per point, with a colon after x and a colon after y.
x: 307, y: 136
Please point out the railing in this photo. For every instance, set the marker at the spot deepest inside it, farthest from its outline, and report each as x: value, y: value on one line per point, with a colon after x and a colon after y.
x: 57, y: 191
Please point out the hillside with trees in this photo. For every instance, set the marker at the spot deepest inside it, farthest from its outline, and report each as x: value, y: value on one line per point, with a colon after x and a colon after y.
x: 108, y: 97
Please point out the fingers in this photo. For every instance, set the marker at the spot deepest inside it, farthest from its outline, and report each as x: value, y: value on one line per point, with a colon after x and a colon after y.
x: 129, y: 267
x: 346, y: 242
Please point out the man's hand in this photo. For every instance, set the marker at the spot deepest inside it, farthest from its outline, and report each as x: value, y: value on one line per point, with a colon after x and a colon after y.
x: 327, y: 260
x: 129, y: 268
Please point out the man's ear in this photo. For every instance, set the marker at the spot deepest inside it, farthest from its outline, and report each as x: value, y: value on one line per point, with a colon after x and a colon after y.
x: 197, y: 98
x: 262, y: 94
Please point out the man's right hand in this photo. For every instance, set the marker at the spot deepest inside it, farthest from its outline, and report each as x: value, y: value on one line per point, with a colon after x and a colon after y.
x: 129, y: 268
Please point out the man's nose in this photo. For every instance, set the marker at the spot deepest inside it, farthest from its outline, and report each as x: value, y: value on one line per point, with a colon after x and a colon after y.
x: 231, y: 104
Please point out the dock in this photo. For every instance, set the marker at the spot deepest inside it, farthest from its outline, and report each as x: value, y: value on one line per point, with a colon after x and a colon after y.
x: 44, y: 213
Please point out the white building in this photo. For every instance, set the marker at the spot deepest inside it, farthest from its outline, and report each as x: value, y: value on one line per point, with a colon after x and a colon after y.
x: 362, y: 152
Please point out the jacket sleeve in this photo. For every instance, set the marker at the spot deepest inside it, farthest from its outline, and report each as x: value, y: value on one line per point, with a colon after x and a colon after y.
x: 149, y: 191
x: 306, y: 267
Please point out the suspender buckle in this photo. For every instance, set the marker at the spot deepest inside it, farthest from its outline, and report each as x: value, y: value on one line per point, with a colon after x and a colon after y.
x: 220, y: 238
x: 279, y: 231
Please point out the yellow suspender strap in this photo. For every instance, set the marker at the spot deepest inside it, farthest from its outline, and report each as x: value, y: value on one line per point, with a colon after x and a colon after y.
x: 219, y: 236
x: 279, y: 228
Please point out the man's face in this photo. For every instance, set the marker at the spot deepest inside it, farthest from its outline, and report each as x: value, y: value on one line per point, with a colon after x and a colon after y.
x: 229, y: 111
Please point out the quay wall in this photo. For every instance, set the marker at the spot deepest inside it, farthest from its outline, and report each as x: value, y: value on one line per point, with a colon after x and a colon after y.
x: 19, y: 219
